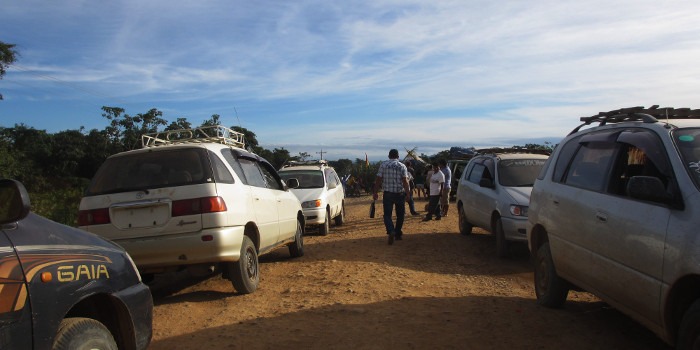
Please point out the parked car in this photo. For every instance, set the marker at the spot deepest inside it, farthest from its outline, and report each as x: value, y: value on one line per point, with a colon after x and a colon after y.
x: 63, y: 288
x: 615, y: 212
x: 493, y: 193
x: 194, y: 199
x: 320, y: 192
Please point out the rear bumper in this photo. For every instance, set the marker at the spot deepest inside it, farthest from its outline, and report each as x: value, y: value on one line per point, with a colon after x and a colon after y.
x: 153, y: 253
x: 139, y: 303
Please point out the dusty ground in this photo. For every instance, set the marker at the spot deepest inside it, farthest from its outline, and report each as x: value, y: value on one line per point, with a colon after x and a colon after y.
x: 436, y: 289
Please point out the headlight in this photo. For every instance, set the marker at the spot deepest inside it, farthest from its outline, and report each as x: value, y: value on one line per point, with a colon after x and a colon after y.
x: 312, y: 204
x: 518, y: 210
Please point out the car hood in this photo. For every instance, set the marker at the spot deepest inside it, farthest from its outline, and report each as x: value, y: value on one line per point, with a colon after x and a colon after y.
x: 307, y: 194
x: 520, y: 195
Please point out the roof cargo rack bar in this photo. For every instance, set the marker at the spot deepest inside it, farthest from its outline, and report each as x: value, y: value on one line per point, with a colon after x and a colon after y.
x: 497, y: 150
x: 305, y: 162
x: 647, y: 115
x: 202, y: 134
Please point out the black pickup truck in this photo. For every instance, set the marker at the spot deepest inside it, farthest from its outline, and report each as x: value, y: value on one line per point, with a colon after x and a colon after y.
x: 63, y: 288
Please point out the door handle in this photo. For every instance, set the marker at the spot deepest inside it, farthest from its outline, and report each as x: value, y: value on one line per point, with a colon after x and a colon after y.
x: 601, y: 216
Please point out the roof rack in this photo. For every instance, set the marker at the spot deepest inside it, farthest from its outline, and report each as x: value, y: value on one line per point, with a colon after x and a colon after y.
x: 291, y: 163
x: 645, y: 115
x: 498, y: 150
x: 202, y: 134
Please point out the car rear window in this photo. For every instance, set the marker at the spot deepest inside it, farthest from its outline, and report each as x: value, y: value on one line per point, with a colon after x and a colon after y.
x: 146, y: 170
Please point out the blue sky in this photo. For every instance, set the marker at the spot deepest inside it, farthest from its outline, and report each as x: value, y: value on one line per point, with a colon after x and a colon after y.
x: 351, y: 77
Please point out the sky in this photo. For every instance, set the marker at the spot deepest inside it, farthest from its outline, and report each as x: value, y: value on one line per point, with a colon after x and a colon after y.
x: 349, y: 78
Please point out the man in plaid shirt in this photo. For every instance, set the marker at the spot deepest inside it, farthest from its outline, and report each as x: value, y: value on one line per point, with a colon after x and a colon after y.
x: 392, y: 177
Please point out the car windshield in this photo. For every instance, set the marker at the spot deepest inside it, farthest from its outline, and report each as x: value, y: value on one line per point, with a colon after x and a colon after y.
x: 307, y: 178
x: 519, y: 172
x: 688, y: 144
x: 140, y: 171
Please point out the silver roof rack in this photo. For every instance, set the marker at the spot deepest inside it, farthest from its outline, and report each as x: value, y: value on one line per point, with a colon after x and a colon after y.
x: 304, y: 162
x: 202, y: 134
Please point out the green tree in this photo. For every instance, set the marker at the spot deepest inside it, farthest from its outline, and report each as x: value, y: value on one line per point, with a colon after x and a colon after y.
x: 8, y: 56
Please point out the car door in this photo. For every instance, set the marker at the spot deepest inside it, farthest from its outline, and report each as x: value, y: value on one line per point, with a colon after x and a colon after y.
x: 614, y: 242
x: 265, y: 203
x: 287, y: 204
x: 334, y: 190
x: 480, y: 198
x: 15, y: 310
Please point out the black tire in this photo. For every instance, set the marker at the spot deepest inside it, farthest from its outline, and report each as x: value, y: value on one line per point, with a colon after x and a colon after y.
x: 326, y: 226
x: 296, y: 249
x: 340, y: 219
x: 551, y: 290
x: 689, y: 332
x: 501, y: 242
x: 245, y: 273
x: 83, y: 334
x: 465, y: 227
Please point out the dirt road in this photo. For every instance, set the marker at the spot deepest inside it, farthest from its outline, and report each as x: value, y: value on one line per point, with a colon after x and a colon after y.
x: 436, y: 289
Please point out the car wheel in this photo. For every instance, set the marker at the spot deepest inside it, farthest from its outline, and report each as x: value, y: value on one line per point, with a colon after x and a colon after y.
x: 501, y: 242
x: 245, y: 273
x: 689, y: 332
x: 340, y: 219
x: 296, y: 249
x: 551, y: 290
x: 465, y: 227
x: 326, y: 227
x: 83, y: 333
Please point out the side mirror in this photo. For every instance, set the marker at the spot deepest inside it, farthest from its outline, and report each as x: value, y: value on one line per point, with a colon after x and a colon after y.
x: 14, y: 201
x: 292, y: 183
x: 486, y: 183
x: 648, y: 188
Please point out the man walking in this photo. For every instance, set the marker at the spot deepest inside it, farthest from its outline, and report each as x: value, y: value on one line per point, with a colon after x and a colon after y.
x: 392, y: 178
x: 445, y: 199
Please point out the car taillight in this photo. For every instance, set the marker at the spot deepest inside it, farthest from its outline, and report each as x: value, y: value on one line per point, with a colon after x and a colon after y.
x: 93, y: 217
x: 198, y: 206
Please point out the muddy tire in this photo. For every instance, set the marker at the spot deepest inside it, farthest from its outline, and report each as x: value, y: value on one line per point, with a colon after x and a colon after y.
x: 326, y: 226
x: 245, y: 273
x: 296, y: 249
x: 465, y: 227
x: 83, y: 334
x: 551, y: 290
x: 501, y: 242
x: 340, y: 219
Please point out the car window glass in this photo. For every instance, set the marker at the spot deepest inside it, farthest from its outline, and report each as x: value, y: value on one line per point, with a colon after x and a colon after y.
x: 307, y: 178
x: 564, y: 159
x: 252, y: 172
x: 221, y: 173
x: 688, y: 143
x: 147, y: 170
x: 231, y: 160
x: 543, y: 171
x: 589, y: 168
x: 649, y: 144
x: 477, y: 173
x: 270, y: 176
x: 632, y: 161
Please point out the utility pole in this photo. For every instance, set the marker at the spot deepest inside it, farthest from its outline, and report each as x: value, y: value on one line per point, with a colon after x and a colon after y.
x: 321, y: 153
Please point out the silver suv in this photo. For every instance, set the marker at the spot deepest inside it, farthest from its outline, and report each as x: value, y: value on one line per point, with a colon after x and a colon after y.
x: 615, y: 212
x: 320, y: 192
x: 493, y: 193
x: 194, y: 199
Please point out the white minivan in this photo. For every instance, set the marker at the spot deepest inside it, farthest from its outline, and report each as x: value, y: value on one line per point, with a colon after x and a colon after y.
x: 194, y: 199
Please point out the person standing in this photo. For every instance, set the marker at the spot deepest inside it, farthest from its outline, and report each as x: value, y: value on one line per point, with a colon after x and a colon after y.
x: 435, y: 187
x: 445, y: 199
x: 412, y: 186
x: 392, y: 178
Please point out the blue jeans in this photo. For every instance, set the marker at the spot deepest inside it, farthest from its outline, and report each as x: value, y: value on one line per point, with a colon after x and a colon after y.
x: 411, y: 203
x: 391, y: 200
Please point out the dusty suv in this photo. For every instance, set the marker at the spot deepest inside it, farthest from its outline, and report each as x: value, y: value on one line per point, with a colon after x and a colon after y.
x: 320, y: 192
x: 63, y: 288
x: 194, y: 199
x: 615, y: 212
x: 493, y: 193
